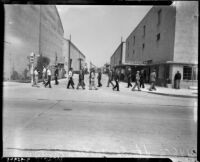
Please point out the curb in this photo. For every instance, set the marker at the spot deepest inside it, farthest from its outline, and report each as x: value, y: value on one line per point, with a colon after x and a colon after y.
x: 173, y: 95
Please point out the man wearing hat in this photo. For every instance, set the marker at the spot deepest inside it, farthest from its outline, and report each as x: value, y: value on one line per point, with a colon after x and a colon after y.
x: 137, y: 81
x: 152, y: 80
x: 177, y: 79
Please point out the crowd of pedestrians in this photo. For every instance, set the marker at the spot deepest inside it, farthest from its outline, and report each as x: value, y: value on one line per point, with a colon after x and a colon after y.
x: 113, y: 79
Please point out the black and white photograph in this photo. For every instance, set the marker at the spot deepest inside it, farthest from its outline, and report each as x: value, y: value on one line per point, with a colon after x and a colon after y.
x: 101, y: 81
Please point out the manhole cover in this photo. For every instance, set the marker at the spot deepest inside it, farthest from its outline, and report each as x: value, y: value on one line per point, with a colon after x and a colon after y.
x: 67, y: 109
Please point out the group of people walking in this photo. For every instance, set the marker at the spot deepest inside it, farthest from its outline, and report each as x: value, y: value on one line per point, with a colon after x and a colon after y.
x: 113, y: 75
x: 46, y: 76
x: 139, y: 80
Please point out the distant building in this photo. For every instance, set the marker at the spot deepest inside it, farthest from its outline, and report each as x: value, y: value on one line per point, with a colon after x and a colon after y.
x: 117, y: 60
x: 167, y: 39
x: 118, y: 56
x: 31, y: 28
x: 73, y: 57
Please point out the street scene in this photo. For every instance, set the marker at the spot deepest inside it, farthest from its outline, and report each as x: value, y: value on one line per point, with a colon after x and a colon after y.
x: 135, y: 97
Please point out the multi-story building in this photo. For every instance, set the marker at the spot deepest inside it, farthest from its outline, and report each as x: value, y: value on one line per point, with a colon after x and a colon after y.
x: 31, y: 28
x: 167, y: 40
x: 73, y: 57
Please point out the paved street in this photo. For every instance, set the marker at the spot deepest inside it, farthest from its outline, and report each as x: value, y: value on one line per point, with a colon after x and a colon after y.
x: 62, y: 122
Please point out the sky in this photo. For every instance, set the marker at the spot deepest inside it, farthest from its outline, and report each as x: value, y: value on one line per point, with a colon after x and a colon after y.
x: 97, y: 30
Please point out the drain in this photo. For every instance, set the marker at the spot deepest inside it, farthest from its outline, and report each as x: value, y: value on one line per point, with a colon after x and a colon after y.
x: 67, y: 109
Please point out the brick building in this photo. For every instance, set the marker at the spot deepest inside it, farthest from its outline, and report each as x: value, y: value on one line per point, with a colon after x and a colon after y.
x: 167, y: 39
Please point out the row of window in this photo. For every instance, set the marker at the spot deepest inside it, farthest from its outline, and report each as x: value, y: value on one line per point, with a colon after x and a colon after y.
x: 143, y: 45
x: 144, y: 31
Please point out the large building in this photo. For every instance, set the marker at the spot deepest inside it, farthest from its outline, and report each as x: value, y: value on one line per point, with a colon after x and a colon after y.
x: 73, y: 57
x: 167, y: 40
x: 31, y: 28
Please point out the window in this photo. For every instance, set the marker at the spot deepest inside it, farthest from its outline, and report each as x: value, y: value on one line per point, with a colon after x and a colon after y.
x: 159, y: 17
x: 143, y: 45
x: 158, y: 37
x: 144, y: 28
x: 190, y: 73
x: 133, y: 52
x: 195, y: 73
x: 187, y: 73
x: 133, y: 40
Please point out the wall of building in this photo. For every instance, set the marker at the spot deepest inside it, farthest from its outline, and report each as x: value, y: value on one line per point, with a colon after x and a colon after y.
x: 75, y: 55
x: 186, y: 32
x: 22, y: 35
x: 184, y: 83
x: 51, y: 34
x: 116, y: 58
x: 66, y: 54
x: 25, y: 34
x: 155, y: 50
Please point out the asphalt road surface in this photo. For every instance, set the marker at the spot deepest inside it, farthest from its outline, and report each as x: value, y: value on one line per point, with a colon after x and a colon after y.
x: 60, y: 122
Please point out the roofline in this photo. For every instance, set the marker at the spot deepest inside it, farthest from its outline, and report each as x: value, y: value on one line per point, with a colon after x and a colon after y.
x: 75, y: 47
x: 140, y: 22
x: 117, y: 48
x: 59, y: 18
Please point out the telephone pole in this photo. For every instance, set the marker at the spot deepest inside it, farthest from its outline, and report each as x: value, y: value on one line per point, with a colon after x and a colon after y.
x: 69, y: 57
x: 40, y: 33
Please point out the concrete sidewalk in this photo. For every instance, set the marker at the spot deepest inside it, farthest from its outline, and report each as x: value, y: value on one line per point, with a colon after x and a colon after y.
x: 188, y: 93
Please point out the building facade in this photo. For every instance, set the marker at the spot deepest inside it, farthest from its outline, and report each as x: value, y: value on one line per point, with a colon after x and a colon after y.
x: 118, y: 56
x: 31, y: 28
x: 120, y: 63
x: 73, y: 57
x: 167, y: 40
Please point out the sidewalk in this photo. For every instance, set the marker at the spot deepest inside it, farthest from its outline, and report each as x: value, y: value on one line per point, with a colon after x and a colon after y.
x: 188, y: 93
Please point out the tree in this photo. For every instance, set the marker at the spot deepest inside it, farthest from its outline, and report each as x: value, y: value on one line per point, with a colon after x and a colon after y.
x: 42, y: 61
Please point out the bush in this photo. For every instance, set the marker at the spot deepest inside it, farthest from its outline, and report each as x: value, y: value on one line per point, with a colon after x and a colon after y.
x: 14, y: 75
x: 25, y: 73
x: 42, y: 61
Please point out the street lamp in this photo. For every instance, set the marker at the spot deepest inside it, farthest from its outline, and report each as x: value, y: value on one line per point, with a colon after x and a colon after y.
x: 32, y: 57
x: 32, y: 60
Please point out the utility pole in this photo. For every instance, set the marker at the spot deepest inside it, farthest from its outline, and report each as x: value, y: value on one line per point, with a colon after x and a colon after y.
x: 56, y: 58
x: 10, y: 67
x: 121, y: 51
x: 40, y: 33
x: 69, y: 57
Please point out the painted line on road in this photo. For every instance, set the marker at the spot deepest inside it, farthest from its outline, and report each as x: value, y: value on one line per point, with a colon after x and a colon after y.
x: 38, y: 115
x: 100, y: 152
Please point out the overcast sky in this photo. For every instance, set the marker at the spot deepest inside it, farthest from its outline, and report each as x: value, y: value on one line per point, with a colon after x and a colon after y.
x: 97, y: 30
